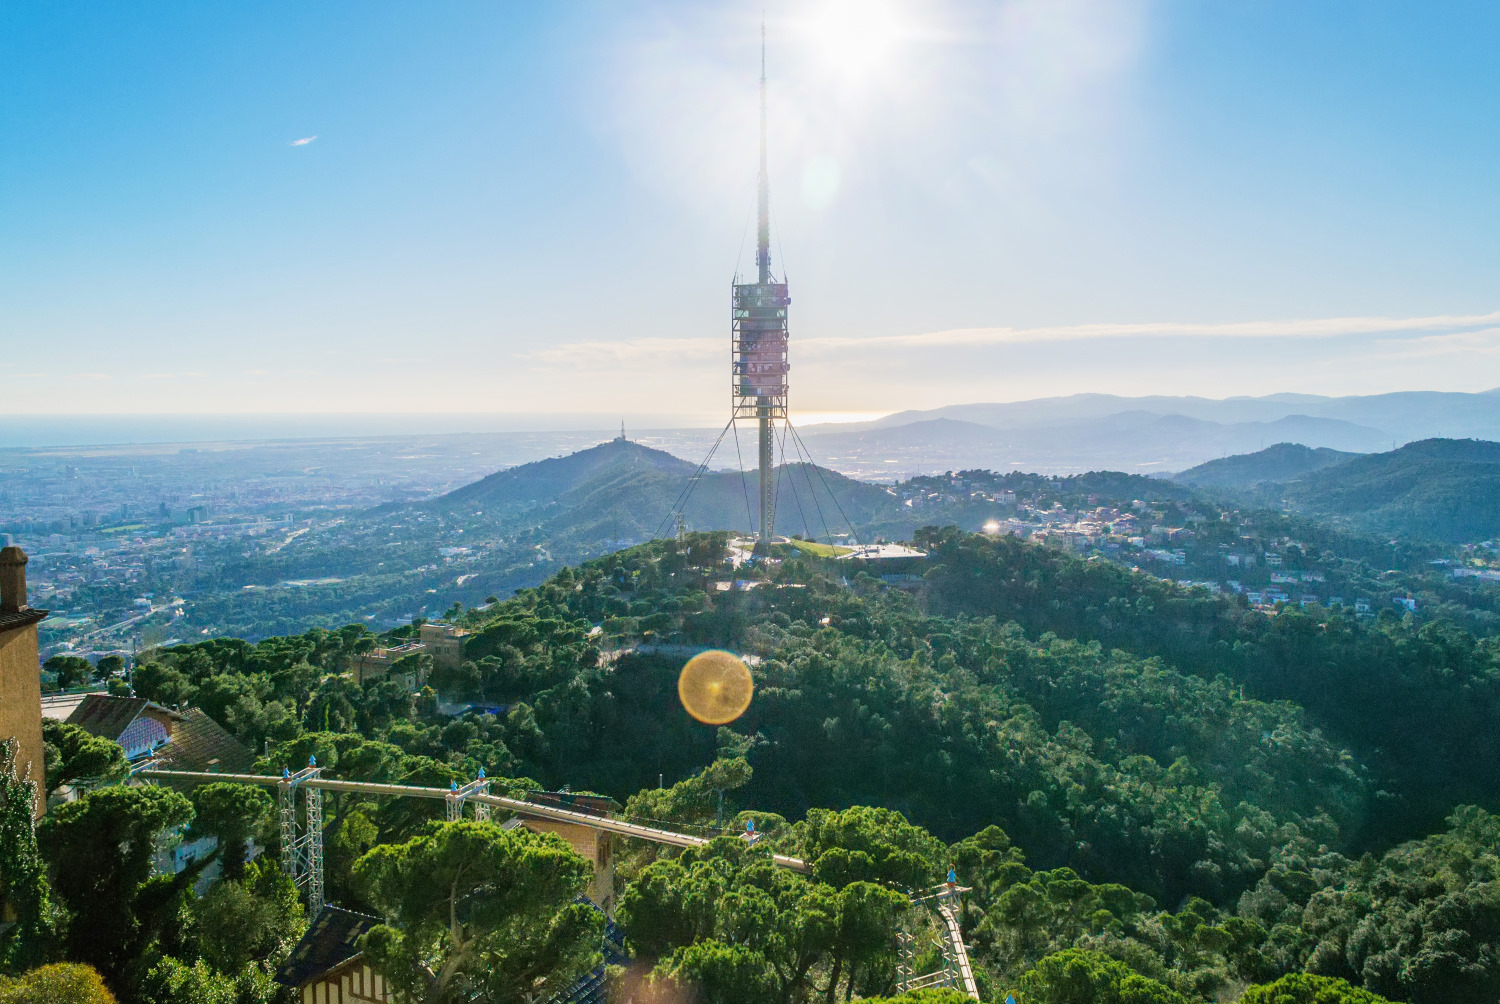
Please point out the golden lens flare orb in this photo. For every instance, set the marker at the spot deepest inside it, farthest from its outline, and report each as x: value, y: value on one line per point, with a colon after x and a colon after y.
x: 715, y: 687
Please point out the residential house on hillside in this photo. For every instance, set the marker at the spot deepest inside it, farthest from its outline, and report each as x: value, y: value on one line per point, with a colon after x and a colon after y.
x: 186, y: 740
x: 177, y: 740
x: 443, y: 642
x: 327, y: 966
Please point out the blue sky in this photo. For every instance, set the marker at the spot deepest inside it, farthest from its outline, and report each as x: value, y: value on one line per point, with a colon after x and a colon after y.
x: 538, y: 208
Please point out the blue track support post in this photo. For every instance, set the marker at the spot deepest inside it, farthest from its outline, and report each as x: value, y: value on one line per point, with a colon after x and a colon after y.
x: 458, y: 796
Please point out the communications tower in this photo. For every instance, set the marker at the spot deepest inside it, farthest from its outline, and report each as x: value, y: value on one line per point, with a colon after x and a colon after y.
x: 759, y: 338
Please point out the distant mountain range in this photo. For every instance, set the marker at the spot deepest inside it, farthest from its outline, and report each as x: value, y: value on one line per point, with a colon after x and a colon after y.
x: 1434, y: 489
x: 1142, y: 435
x: 511, y: 529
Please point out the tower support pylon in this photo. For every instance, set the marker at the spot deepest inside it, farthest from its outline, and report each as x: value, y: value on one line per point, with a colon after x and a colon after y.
x: 302, y: 839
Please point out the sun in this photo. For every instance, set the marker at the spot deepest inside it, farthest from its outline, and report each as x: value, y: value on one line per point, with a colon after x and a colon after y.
x: 854, y: 40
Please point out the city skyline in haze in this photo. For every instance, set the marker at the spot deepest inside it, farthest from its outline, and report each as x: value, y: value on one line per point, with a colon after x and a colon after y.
x: 362, y: 208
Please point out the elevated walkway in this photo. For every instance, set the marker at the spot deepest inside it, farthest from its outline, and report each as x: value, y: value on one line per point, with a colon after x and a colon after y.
x: 957, y: 971
x: 302, y: 837
x: 302, y: 849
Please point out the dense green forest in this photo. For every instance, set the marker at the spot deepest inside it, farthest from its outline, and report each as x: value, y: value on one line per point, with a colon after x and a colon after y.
x: 1436, y: 490
x: 1154, y: 793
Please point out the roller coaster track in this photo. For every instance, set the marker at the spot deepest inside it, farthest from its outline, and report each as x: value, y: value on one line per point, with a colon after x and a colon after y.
x: 310, y: 845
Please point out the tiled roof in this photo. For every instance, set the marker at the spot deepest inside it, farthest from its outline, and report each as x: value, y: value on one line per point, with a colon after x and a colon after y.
x: 331, y: 941
x: 20, y: 618
x: 198, y: 741
x: 107, y: 717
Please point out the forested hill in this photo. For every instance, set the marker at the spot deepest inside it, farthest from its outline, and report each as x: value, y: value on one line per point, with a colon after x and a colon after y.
x: 1419, y: 702
x: 1141, y: 782
x: 1436, y: 489
x: 545, y: 480
x: 623, y: 490
x: 1281, y: 462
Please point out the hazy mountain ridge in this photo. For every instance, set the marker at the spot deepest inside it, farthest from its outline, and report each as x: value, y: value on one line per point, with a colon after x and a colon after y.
x: 1146, y: 434
x: 1416, y: 414
x: 1140, y: 441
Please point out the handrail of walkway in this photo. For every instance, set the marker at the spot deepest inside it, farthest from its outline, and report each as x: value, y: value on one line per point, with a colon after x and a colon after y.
x: 960, y: 951
x: 516, y: 805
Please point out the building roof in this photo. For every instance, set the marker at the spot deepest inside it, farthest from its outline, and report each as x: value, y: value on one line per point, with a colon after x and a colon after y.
x: 331, y: 941
x: 201, y: 744
x: 20, y: 618
x: 108, y: 717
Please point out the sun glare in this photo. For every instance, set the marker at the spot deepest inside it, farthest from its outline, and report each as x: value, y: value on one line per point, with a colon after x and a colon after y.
x: 854, y: 39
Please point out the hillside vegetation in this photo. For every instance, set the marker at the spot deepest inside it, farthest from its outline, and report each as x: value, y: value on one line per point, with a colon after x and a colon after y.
x: 1144, y: 786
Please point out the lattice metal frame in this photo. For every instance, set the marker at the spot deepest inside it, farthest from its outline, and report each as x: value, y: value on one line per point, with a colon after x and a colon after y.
x: 302, y: 840
x: 758, y: 362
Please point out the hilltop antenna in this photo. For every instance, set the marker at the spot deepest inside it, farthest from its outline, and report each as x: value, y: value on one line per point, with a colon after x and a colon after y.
x: 758, y: 339
x: 758, y: 366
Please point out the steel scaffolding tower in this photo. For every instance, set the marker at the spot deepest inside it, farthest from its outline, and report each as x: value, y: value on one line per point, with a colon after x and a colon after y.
x: 759, y: 338
x: 302, y: 852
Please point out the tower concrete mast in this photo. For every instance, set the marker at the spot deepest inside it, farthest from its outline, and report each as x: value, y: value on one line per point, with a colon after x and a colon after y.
x: 760, y: 338
x: 763, y: 270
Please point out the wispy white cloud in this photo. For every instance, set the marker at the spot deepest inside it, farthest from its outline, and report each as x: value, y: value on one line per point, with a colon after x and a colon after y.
x: 1434, y: 329
x: 1485, y: 342
x: 303, y: 141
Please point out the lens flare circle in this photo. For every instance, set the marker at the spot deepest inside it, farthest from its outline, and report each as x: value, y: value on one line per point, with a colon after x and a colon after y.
x: 715, y: 687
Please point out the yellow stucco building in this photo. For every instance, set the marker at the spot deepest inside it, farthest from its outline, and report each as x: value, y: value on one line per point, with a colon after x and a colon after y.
x: 20, y: 671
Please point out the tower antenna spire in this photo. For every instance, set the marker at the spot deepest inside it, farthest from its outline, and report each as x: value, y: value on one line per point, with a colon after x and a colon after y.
x: 763, y: 191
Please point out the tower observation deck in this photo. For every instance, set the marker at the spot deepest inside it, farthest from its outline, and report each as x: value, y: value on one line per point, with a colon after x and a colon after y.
x: 758, y: 339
